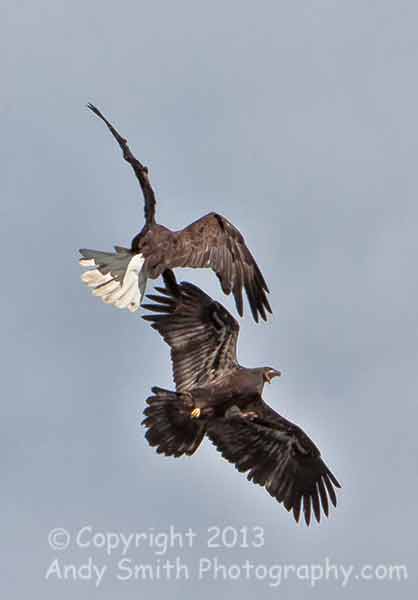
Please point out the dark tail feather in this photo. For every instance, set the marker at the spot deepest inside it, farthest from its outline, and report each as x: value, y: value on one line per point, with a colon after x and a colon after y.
x: 170, y: 428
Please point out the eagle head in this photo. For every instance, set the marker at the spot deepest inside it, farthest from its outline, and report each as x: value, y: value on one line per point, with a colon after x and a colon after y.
x: 269, y: 373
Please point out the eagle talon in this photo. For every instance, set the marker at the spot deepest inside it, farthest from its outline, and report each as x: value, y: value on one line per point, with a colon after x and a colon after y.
x: 249, y: 415
x: 233, y: 411
x: 195, y: 414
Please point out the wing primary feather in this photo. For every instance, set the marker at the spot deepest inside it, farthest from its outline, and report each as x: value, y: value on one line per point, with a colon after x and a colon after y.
x: 315, y: 504
x: 307, y: 508
x: 330, y: 489
x: 296, y: 507
x: 324, y: 497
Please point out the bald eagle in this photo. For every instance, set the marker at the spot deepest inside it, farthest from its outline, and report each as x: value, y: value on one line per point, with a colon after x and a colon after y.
x: 218, y: 398
x: 119, y: 278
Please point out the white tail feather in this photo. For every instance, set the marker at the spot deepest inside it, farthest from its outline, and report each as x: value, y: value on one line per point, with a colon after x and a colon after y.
x: 128, y: 295
x: 106, y: 288
x: 87, y: 262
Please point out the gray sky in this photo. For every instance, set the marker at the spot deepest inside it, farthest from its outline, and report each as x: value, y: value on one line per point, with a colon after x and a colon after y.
x: 298, y: 122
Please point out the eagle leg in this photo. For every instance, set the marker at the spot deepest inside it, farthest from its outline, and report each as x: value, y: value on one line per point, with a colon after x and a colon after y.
x: 234, y: 411
x: 249, y: 415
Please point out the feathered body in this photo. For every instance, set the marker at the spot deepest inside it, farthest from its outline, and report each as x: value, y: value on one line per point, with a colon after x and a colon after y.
x: 226, y: 399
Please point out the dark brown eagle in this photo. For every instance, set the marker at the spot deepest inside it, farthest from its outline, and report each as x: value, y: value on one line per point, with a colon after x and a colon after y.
x: 217, y: 397
x: 210, y: 242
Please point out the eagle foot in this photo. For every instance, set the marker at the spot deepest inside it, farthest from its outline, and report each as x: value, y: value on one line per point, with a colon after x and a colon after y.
x: 249, y: 415
x: 234, y: 411
x: 195, y: 414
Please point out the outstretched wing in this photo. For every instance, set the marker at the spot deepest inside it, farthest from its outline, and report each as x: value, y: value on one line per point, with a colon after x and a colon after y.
x: 140, y: 170
x: 213, y: 242
x: 277, y: 455
x: 201, y: 333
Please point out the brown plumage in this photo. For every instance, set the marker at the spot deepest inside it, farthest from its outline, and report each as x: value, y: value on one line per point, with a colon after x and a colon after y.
x: 226, y: 399
x: 210, y: 242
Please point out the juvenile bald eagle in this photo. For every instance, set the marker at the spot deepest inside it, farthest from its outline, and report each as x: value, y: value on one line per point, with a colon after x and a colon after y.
x: 217, y: 397
x: 210, y: 242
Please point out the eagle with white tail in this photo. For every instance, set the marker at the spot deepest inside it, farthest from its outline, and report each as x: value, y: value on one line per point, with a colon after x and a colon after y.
x: 119, y: 278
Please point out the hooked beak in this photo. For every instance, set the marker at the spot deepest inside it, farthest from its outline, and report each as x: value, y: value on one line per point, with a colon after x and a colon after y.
x: 272, y: 374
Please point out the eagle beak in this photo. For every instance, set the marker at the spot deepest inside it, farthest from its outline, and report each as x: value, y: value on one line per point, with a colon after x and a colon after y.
x: 271, y: 374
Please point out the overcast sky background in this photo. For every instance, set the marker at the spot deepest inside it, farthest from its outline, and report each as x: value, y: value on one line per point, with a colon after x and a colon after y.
x: 298, y: 122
